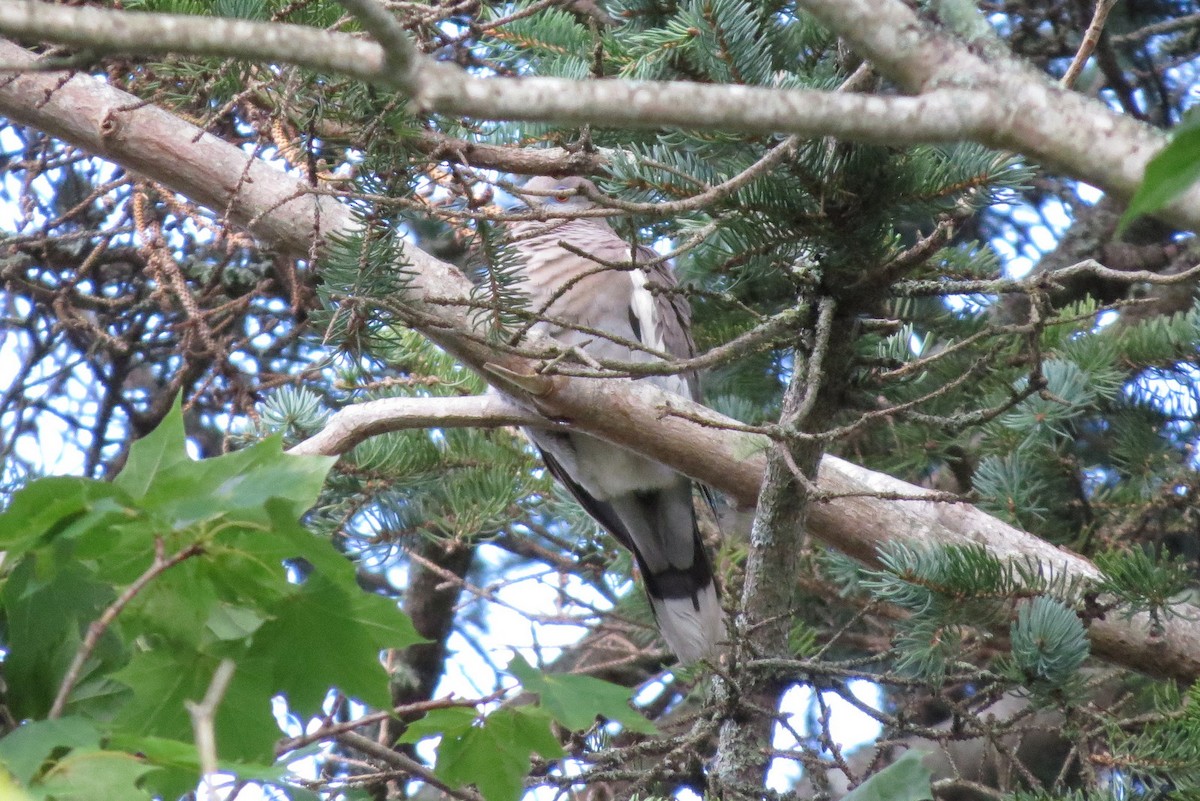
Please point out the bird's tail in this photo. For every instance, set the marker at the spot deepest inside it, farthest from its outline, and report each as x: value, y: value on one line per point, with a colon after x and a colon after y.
x: 660, y: 528
x: 658, y: 525
x: 691, y: 620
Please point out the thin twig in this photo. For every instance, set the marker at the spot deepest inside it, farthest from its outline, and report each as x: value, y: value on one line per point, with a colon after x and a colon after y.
x: 203, y: 716
x: 907, y: 409
x: 1040, y: 281
x: 404, y: 710
x: 1157, y: 29
x: 1091, y: 38
x: 773, y: 158
x: 100, y: 625
x: 816, y: 362
x: 917, y: 254
x: 404, y: 762
x: 757, y: 338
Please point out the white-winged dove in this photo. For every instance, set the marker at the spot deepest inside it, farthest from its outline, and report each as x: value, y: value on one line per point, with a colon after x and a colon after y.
x: 645, y: 505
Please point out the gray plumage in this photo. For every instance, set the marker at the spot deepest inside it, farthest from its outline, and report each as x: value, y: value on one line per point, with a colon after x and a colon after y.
x: 644, y: 504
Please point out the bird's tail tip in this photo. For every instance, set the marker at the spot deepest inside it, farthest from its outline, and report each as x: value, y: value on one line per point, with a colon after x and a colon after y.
x: 692, y: 626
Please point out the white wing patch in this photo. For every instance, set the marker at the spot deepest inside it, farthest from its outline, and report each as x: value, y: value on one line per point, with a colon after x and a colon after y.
x: 642, y: 302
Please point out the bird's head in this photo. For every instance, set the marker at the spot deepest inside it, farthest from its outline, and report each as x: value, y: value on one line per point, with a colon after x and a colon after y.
x: 558, y: 194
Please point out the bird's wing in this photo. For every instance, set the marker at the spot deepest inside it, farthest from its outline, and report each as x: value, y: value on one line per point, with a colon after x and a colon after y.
x: 673, y: 313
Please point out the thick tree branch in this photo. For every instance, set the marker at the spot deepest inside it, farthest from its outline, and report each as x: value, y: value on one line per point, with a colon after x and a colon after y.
x: 941, y: 116
x: 960, y: 94
x: 854, y: 516
x: 1105, y: 149
x: 356, y: 423
x: 853, y: 512
x: 521, y: 160
x: 401, y: 57
x: 768, y: 603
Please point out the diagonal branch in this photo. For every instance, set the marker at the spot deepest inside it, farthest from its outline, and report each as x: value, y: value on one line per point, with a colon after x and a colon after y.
x: 401, y: 58
x: 204, y: 718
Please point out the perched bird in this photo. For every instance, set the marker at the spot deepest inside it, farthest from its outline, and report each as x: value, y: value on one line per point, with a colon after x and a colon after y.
x: 646, y: 505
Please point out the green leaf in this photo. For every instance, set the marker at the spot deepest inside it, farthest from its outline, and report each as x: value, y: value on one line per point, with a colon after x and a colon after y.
x: 288, y: 541
x: 227, y: 622
x: 327, y: 635
x: 575, y: 701
x: 49, y: 602
x: 1145, y: 580
x: 495, y: 755
x: 162, y: 448
x: 25, y: 750
x: 449, y: 722
x: 190, y: 492
x: 174, y: 606
x: 906, y: 779
x: 89, y: 774
x: 1049, y: 640
x: 241, y: 9
x: 479, y: 757
x: 162, y: 681
x: 529, y: 729
x: 9, y: 790
x: 177, y: 765
x: 1175, y: 168
x: 121, y: 550
x: 750, y: 447
x: 48, y: 507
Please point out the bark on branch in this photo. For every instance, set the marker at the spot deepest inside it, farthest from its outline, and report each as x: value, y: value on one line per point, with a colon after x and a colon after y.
x: 961, y: 93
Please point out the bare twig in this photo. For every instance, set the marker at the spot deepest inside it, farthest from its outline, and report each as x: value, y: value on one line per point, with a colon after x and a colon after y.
x: 1091, y: 38
x: 96, y: 630
x: 1041, y: 281
x: 203, y: 715
x: 405, y: 763
x: 404, y: 710
x: 1158, y: 29
x: 761, y: 336
x: 816, y: 364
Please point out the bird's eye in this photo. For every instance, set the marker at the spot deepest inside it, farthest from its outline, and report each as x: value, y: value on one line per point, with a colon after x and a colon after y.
x: 562, y: 198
